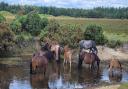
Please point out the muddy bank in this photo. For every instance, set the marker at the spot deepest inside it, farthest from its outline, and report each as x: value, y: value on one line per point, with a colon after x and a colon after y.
x: 106, y: 53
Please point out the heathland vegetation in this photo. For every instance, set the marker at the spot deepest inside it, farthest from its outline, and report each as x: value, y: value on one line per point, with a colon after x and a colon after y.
x: 20, y: 24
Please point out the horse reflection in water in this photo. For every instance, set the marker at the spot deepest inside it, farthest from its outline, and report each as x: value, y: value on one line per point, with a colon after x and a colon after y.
x: 66, y: 74
x: 54, y: 75
x: 38, y: 81
x: 115, y: 70
x: 85, y: 75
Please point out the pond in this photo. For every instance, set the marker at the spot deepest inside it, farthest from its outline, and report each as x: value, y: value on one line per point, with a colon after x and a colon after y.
x: 57, y: 77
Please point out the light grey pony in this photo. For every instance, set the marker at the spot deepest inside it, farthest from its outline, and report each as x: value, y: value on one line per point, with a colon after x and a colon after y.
x: 88, y: 44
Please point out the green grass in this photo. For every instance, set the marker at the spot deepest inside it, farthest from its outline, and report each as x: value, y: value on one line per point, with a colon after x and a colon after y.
x: 114, y: 29
x: 123, y: 86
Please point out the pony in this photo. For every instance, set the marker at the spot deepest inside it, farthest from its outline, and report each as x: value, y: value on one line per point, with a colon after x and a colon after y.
x: 38, y: 62
x: 115, y: 70
x: 88, y: 44
x: 88, y: 58
x: 67, y: 55
x: 55, y: 48
x: 115, y: 65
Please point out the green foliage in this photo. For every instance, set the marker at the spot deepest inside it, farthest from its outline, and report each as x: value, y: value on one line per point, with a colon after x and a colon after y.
x: 53, y: 26
x: 44, y: 22
x: 23, y: 39
x: 2, y: 18
x: 94, y: 32
x: 113, y: 43
x: 16, y: 26
x: 34, y: 24
x: 64, y: 34
x: 6, y: 37
x: 70, y: 34
x: 24, y: 36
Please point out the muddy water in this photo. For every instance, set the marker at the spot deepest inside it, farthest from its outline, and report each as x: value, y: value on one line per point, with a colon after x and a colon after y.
x: 57, y: 77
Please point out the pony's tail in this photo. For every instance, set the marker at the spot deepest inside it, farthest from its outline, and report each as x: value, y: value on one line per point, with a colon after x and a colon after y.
x: 30, y: 67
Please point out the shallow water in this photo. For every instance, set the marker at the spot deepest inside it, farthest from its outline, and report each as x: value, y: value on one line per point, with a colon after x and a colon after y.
x: 57, y: 77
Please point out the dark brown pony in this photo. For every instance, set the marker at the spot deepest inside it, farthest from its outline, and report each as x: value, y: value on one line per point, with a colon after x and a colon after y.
x: 38, y: 63
x: 88, y: 58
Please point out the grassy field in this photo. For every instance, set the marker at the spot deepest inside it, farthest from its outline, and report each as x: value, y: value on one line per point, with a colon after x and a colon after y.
x: 114, y: 29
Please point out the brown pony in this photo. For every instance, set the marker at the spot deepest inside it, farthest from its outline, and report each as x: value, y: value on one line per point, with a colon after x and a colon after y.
x: 88, y: 58
x: 115, y: 64
x: 67, y: 55
x: 39, y: 62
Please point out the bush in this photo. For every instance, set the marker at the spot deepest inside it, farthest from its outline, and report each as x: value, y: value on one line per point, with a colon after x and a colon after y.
x: 16, y: 26
x: 2, y: 18
x: 94, y: 32
x: 34, y: 24
x: 114, y: 43
x: 23, y: 39
x: 6, y: 37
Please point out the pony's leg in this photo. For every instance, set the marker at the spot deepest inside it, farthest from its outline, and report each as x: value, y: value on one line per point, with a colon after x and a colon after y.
x: 92, y: 65
x: 98, y: 64
x: 30, y: 67
x: 64, y: 61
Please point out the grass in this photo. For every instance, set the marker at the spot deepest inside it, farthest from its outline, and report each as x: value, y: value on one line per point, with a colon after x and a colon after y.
x: 123, y: 86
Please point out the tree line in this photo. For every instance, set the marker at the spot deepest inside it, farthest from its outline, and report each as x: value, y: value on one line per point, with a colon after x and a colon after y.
x: 99, y: 12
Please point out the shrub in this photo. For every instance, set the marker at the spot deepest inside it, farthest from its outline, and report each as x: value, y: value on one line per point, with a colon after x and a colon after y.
x: 23, y: 39
x: 34, y: 24
x: 6, y: 37
x: 2, y: 18
x: 114, y: 43
x: 16, y: 26
x: 94, y: 32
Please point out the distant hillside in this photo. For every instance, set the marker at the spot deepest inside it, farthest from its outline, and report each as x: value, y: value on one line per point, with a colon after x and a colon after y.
x: 99, y: 12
